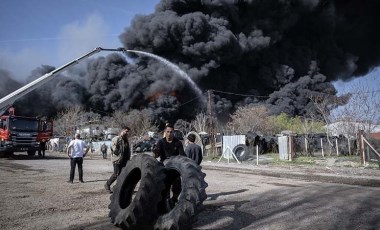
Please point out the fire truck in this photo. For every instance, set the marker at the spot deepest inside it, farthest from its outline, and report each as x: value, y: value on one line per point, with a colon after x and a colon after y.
x: 24, y: 134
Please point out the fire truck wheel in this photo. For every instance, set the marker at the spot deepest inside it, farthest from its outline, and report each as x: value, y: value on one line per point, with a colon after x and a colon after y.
x: 137, y: 192
x: 31, y: 153
x: 5, y: 154
x: 181, y: 213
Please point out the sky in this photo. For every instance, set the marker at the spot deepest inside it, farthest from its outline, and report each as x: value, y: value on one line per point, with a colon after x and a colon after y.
x: 55, y: 32
x: 45, y: 32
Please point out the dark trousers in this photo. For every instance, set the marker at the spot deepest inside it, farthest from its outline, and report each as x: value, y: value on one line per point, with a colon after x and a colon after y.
x: 104, y: 155
x: 73, y: 162
x: 116, y: 171
x: 41, y: 152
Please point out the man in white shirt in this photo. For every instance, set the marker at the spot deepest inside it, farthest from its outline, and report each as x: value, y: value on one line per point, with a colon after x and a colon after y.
x: 75, y: 151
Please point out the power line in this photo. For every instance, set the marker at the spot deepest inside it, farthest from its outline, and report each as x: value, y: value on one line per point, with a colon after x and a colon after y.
x: 239, y: 94
x: 252, y: 95
x: 189, y: 101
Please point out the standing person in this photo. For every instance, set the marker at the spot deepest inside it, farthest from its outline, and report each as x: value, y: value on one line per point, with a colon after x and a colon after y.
x: 193, y: 151
x: 41, y: 150
x: 121, y: 150
x: 165, y: 148
x: 169, y: 145
x: 103, y: 149
x: 75, y: 150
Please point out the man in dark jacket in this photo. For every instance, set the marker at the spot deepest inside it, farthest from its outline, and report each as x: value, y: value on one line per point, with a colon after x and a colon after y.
x: 169, y: 145
x: 41, y: 150
x: 193, y: 151
x: 121, y: 151
x: 165, y: 148
x: 103, y: 149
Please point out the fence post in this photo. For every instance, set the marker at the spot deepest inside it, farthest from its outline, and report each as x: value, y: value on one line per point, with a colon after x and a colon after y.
x: 257, y: 154
x: 336, y: 144
x: 349, y: 146
x: 323, y: 155
x: 361, y: 147
x: 306, y: 144
x: 290, y: 147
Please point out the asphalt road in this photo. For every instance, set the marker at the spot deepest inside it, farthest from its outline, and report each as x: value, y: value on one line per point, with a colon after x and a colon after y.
x: 34, y: 195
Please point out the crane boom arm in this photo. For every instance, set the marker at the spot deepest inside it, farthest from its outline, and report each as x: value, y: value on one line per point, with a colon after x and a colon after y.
x: 12, y: 97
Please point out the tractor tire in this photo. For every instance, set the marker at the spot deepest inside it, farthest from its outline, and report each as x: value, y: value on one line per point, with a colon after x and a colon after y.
x: 183, y: 213
x: 138, y: 211
x: 241, y: 152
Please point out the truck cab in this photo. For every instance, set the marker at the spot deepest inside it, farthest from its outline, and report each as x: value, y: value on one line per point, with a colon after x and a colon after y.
x: 23, y: 134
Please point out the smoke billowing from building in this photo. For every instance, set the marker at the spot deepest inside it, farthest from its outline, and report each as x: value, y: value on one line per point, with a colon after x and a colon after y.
x: 281, y: 51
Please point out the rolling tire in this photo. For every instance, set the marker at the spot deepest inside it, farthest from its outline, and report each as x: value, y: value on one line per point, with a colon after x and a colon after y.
x: 193, y: 193
x: 140, y: 211
x: 241, y: 152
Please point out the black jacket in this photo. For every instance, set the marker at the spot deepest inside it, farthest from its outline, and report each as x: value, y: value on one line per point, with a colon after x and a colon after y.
x: 194, y: 151
x: 167, y: 150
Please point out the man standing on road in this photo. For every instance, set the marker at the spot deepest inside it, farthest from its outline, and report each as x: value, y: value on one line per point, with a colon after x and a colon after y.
x: 75, y: 151
x: 165, y: 148
x: 42, y: 148
x: 103, y: 149
x: 193, y: 151
x: 121, y: 151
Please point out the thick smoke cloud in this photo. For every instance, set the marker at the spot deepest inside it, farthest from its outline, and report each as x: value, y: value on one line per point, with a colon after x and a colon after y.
x: 59, y: 93
x: 286, y: 50
x: 8, y: 84
x: 280, y: 52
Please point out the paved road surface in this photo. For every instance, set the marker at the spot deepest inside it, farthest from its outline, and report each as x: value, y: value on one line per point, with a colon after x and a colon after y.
x: 34, y: 195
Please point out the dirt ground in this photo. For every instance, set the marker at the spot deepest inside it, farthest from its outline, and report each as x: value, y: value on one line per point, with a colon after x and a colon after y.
x: 34, y: 194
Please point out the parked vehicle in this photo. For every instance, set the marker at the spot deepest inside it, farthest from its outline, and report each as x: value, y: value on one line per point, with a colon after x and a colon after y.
x: 23, y: 134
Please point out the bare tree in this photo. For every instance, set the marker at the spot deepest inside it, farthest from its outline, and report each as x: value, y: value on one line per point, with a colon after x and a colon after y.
x: 250, y: 118
x: 117, y: 120
x: 140, y: 122
x: 200, y: 122
x: 361, y: 112
x: 184, y: 126
x: 67, y: 121
x: 324, y: 104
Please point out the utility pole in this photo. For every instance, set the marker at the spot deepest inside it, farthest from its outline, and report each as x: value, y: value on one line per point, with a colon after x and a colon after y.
x: 211, y: 124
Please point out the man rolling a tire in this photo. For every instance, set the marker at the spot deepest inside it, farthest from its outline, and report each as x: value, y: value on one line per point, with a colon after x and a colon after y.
x: 167, y: 147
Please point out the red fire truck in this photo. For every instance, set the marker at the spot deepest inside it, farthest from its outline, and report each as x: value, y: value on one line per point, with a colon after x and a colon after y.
x: 17, y: 133
x: 23, y: 134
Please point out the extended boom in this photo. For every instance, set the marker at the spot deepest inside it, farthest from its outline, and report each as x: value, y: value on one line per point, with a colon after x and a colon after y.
x: 11, y: 98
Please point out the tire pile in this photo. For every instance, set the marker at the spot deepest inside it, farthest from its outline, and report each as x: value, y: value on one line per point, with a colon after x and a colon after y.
x: 150, y: 207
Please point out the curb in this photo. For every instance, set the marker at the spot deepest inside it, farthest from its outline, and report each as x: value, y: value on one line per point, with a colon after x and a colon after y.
x: 322, y: 177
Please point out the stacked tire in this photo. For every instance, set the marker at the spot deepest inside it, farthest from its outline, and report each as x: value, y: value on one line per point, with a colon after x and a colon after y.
x: 152, y: 206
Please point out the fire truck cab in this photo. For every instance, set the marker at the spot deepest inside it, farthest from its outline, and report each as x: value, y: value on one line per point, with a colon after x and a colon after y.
x: 23, y: 134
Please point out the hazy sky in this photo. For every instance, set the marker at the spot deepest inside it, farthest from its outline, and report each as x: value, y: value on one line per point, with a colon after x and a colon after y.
x: 36, y: 32
x: 54, y: 32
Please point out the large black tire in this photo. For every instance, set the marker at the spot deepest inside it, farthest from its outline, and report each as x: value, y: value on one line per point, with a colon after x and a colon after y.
x: 140, y: 211
x: 241, y: 152
x: 193, y: 193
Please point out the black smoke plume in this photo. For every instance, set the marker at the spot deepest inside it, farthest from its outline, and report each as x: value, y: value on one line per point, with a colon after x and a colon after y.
x: 279, y: 52
x: 285, y: 50
x: 8, y: 84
